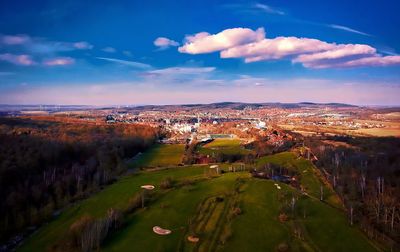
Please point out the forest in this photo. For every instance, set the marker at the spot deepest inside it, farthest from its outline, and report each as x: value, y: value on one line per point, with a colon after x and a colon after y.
x: 46, y: 164
x: 365, y: 173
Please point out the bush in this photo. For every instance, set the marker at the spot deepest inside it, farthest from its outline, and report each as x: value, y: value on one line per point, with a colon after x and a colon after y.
x: 187, y: 182
x: 134, y: 203
x: 167, y: 183
x: 78, y: 227
x: 87, y: 233
x: 283, y: 247
x: 237, y: 211
x: 283, y: 217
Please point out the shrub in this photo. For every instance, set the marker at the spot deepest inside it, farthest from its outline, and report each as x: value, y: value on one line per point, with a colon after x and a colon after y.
x: 283, y: 247
x: 78, y: 227
x: 283, y: 217
x: 167, y: 183
x: 134, y: 203
x: 237, y: 211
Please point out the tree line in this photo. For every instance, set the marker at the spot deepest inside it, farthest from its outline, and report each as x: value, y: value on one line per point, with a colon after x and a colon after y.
x: 365, y: 172
x: 45, y: 164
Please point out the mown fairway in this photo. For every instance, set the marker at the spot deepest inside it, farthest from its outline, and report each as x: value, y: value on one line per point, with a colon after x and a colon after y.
x: 229, y: 212
x: 161, y: 155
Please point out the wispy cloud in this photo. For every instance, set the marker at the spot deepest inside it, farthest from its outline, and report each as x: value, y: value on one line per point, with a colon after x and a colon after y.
x: 127, y: 63
x: 127, y: 53
x: 348, y: 29
x: 254, y: 8
x: 182, y: 70
x: 21, y: 60
x: 15, y: 39
x: 59, y: 61
x: 83, y: 45
x: 109, y: 49
x: 164, y: 43
x: 36, y: 45
x: 262, y: 8
x: 268, y: 9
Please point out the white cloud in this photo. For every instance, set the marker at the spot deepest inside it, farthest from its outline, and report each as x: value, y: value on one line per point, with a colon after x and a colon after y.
x: 276, y: 48
x: 337, y: 52
x: 164, y: 43
x: 204, y: 42
x: 371, y: 61
x: 126, y: 62
x: 252, y: 46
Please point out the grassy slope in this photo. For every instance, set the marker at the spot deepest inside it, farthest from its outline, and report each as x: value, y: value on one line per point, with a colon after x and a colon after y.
x: 115, y: 195
x: 307, y: 172
x: 161, y: 155
x: 181, y: 205
x: 257, y: 229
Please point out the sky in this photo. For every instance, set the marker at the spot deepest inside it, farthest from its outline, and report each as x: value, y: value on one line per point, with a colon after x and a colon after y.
x: 180, y: 52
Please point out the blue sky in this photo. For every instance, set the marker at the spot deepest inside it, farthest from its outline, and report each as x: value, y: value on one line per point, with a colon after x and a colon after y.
x: 169, y: 52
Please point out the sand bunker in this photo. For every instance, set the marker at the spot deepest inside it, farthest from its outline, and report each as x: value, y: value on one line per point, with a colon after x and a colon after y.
x: 161, y: 231
x: 193, y: 239
x: 147, y: 187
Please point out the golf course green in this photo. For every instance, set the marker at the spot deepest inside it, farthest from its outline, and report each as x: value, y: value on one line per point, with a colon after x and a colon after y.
x: 231, y: 211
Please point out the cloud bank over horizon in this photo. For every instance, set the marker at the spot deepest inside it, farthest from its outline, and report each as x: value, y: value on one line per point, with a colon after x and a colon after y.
x: 156, y: 90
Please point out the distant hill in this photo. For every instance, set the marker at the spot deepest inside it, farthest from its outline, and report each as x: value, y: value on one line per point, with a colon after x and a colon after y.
x: 241, y: 105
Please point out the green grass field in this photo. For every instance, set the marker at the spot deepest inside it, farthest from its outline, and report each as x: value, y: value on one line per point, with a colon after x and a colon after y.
x: 223, y: 143
x: 161, y: 155
x: 225, y: 146
x: 259, y: 229
x: 194, y: 209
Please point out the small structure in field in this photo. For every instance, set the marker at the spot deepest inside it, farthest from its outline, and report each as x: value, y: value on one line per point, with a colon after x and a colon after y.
x: 146, y: 188
x: 215, y: 168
